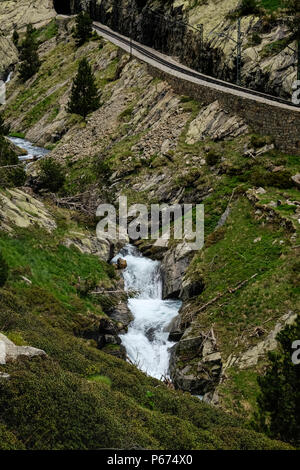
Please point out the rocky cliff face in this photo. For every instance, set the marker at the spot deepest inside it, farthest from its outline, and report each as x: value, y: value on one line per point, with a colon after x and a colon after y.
x: 18, y: 14
x: 8, y: 56
x: 268, y: 64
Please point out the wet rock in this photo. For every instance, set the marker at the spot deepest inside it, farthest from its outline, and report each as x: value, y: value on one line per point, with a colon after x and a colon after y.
x: 175, y: 330
x: 190, y: 288
x: 122, y: 263
x: 150, y: 334
x: 121, y: 315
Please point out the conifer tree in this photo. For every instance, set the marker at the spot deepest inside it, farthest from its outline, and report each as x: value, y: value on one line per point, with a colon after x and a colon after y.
x: 10, y: 173
x: 28, y: 55
x: 83, y: 29
x: 279, y: 400
x: 3, y: 270
x: 4, y: 128
x: 84, y: 97
x: 15, y: 38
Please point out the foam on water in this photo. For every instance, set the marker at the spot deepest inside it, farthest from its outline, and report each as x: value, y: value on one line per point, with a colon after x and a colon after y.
x: 147, y: 342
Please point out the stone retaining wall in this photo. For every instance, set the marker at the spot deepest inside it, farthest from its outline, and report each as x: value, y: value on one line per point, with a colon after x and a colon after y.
x: 264, y: 118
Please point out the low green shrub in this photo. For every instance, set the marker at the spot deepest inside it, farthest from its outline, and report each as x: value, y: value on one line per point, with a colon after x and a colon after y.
x: 281, y: 179
x: 52, y: 175
x: 3, y: 270
x: 212, y: 158
x: 11, y: 171
x: 258, y: 141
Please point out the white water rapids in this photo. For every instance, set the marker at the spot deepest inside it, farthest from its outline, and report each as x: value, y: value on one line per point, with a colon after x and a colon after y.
x: 31, y: 149
x: 147, y: 342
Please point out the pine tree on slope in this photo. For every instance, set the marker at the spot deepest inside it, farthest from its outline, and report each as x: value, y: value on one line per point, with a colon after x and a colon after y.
x: 84, y: 94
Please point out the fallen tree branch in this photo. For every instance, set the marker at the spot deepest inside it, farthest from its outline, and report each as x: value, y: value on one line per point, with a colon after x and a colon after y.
x: 107, y: 292
x: 11, y: 166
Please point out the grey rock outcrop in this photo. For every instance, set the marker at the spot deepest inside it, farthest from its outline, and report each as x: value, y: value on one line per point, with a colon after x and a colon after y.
x: 173, y: 268
x: 89, y: 244
x: 108, y: 339
x: 203, y: 368
x: 191, y: 288
x: 175, y: 330
x: 121, y: 315
x: 215, y: 123
x: 22, y: 210
x: 252, y: 356
x: 10, y: 352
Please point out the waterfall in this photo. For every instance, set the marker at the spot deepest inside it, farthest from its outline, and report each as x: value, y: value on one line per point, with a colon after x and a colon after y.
x: 8, y: 77
x: 147, y: 342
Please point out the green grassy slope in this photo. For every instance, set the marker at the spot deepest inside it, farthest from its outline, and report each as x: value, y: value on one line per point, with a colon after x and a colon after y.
x: 79, y: 397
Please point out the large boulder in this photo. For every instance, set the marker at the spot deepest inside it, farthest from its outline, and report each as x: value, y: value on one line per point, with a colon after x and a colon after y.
x: 10, y: 352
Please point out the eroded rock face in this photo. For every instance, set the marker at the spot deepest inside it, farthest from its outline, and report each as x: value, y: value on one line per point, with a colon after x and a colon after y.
x: 8, y: 54
x: 175, y: 329
x: 10, y: 352
x: 214, y: 122
x: 20, y: 209
x: 20, y: 13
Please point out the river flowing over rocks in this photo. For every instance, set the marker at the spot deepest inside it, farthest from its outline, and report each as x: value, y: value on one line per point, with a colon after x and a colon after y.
x: 147, y: 341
